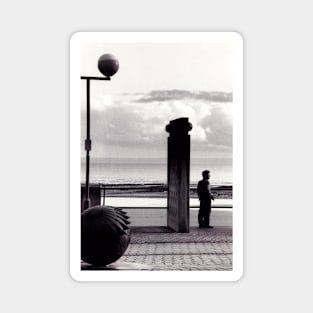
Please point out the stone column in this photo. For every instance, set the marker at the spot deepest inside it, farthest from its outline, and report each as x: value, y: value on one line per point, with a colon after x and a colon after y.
x: 178, y: 172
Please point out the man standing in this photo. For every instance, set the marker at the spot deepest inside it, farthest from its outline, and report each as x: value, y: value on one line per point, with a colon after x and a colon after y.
x: 205, y: 197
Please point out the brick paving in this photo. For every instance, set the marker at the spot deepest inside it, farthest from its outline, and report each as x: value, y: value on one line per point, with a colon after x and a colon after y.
x: 183, y: 262
x: 217, y: 234
x: 200, y: 249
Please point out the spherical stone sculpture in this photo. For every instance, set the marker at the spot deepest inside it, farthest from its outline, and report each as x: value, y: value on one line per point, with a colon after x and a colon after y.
x: 108, y: 65
x: 105, y: 235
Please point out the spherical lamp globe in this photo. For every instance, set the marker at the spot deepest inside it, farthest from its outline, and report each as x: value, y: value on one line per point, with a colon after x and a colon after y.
x: 108, y: 65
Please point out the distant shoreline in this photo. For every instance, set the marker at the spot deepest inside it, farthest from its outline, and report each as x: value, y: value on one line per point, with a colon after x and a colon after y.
x: 156, y: 190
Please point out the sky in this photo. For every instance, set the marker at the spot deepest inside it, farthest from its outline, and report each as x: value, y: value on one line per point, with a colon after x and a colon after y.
x: 156, y: 83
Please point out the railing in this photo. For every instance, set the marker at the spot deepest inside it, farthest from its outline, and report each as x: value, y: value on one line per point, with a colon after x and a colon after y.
x: 101, y: 191
x: 214, y: 206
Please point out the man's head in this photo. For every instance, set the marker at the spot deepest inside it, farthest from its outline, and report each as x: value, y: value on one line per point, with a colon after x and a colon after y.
x: 206, y: 174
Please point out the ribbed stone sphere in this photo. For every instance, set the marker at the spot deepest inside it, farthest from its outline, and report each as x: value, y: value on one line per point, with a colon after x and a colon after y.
x: 105, y: 235
x: 108, y: 64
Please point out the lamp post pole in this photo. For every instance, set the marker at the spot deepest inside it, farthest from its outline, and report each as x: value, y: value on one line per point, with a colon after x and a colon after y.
x: 86, y: 203
x: 108, y: 65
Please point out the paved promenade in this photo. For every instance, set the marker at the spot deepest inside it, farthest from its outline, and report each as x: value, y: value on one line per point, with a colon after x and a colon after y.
x: 155, y: 248
x: 200, y: 249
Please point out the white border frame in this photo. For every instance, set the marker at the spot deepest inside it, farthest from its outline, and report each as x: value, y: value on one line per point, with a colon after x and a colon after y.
x: 162, y: 37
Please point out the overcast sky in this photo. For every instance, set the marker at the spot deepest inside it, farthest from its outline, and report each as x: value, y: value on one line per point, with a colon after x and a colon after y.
x: 157, y: 83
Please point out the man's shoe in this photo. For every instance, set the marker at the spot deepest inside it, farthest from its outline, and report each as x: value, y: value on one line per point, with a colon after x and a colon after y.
x: 207, y: 226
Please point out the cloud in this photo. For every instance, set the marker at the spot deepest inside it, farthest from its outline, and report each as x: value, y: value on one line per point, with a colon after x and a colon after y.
x: 134, y: 124
x: 167, y: 95
x: 218, y: 127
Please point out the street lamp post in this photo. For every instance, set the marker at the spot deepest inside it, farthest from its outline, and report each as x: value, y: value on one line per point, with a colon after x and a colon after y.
x: 105, y: 235
x: 108, y: 65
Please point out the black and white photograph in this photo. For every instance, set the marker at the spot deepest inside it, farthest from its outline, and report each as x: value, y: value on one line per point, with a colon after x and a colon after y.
x: 156, y: 156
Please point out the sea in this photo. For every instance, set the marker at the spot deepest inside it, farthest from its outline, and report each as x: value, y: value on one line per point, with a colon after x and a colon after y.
x: 153, y: 170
